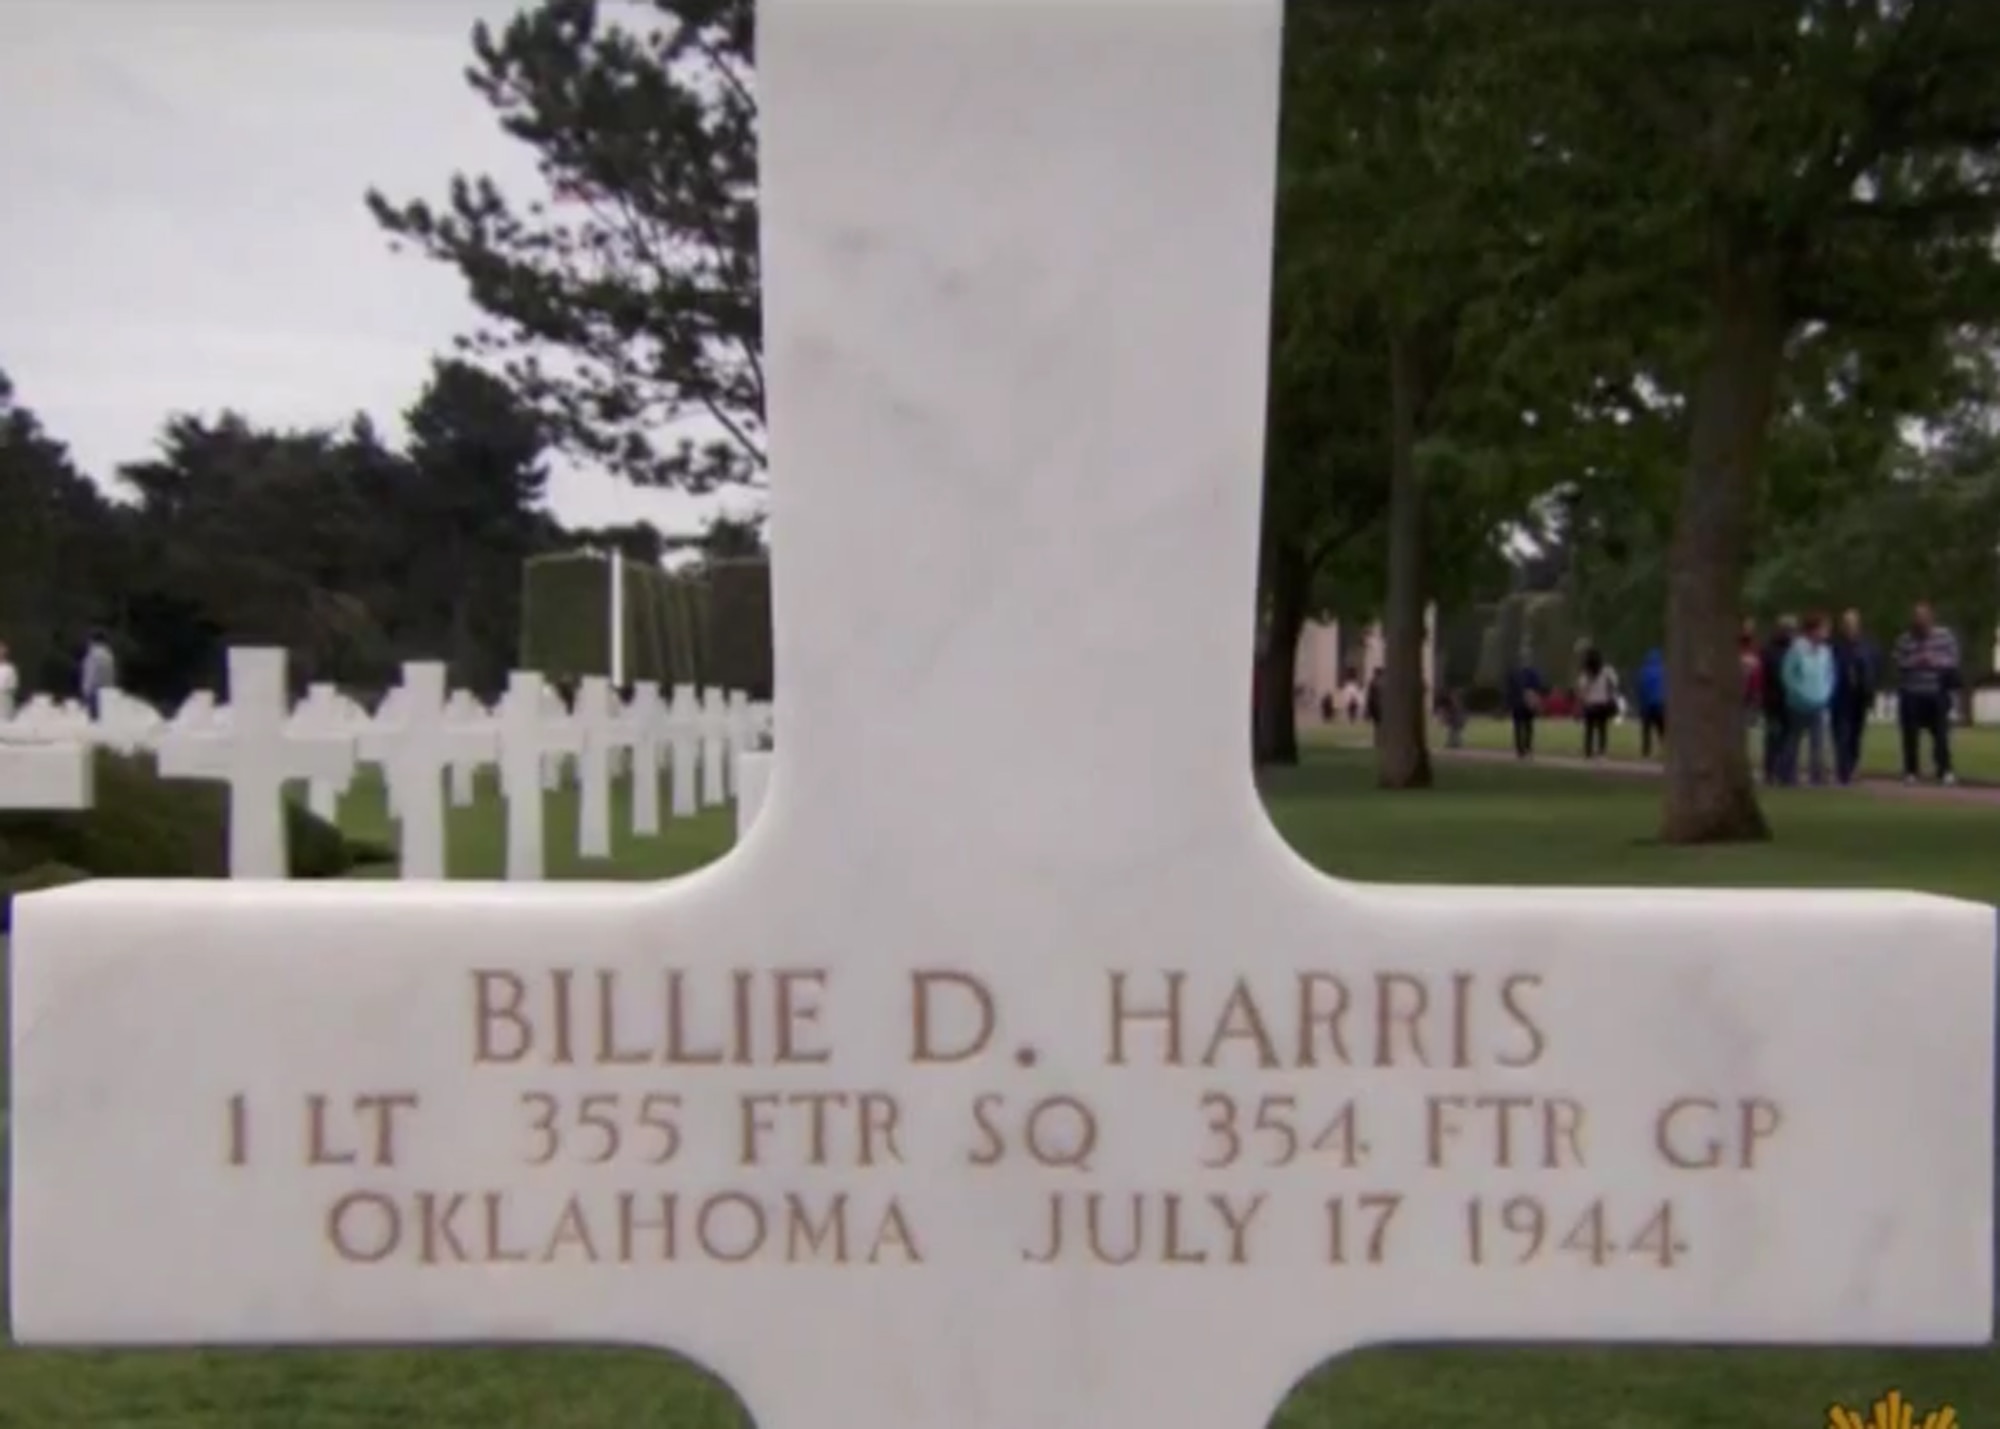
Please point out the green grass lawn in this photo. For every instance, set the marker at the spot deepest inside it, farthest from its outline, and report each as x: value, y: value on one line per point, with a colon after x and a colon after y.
x: 1975, y: 751
x: 1485, y: 823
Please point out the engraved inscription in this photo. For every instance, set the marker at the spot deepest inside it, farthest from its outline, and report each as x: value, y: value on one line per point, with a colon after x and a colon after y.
x: 1350, y: 1121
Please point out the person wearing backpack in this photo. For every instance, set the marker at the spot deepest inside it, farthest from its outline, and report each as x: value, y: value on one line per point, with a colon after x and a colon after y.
x: 1808, y: 681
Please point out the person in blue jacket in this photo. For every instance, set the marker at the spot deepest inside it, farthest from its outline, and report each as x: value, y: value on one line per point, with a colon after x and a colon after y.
x: 1809, y: 682
x: 1651, y: 688
x: 1525, y: 692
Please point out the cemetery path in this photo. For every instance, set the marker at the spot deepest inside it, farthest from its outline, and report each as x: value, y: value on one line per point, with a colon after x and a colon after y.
x: 1977, y: 795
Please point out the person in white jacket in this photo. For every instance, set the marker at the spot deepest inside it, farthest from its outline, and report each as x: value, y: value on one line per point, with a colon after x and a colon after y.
x: 10, y: 684
x: 1597, y: 702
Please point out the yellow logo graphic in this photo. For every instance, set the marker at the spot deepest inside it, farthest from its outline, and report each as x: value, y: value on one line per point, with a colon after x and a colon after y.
x: 1892, y: 1411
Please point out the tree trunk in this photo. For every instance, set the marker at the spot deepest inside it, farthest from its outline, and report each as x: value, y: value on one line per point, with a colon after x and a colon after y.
x: 1710, y: 796
x: 1288, y: 580
x: 1402, y: 752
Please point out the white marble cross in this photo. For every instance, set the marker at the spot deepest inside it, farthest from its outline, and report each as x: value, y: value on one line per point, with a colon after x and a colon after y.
x: 252, y: 748
x: 564, y: 739
x: 529, y: 731
x: 600, y: 732
x: 714, y: 729
x: 1013, y: 1073
x: 126, y: 723
x: 414, y: 749
x: 684, y: 745
x: 322, y: 712
x: 44, y: 774
x: 463, y: 711
x: 645, y: 717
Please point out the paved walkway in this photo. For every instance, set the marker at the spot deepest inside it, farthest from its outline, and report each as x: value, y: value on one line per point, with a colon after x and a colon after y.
x: 1984, y: 796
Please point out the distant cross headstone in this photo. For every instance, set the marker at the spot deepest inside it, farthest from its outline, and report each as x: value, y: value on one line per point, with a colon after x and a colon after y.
x: 254, y: 750
x: 464, y: 713
x: 197, y: 711
x: 322, y: 713
x: 373, y: 740
x: 43, y: 774
x: 714, y: 729
x: 44, y: 718
x: 529, y: 730
x: 644, y: 720
x: 560, y: 721
x: 599, y: 728
x: 414, y: 750
x: 125, y: 723
x: 684, y: 742
x: 1013, y: 1074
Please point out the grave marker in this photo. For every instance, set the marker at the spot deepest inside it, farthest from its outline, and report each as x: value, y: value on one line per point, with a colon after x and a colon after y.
x: 528, y: 733
x: 40, y: 774
x: 684, y: 740
x: 414, y: 749
x: 644, y: 715
x: 599, y: 729
x: 321, y: 712
x: 714, y: 729
x: 252, y: 747
x: 1016, y: 1022
x: 563, y: 737
x: 463, y: 711
x: 125, y: 723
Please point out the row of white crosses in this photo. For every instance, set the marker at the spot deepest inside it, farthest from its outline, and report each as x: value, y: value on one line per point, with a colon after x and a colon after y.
x: 45, y: 748
x: 419, y: 736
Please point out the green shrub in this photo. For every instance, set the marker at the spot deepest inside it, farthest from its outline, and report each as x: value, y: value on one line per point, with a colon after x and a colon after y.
x: 739, y: 626
x: 142, y: 826
x: 707, y: 625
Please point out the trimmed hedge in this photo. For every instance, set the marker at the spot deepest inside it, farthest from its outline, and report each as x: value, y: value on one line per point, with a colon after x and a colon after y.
x: 566, y: 615
x: 739, y: 626
x: 709, y: 626
x: 142, y: 826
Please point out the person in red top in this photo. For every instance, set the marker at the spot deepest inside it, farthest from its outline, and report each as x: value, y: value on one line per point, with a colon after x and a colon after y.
x: 1750, y: 661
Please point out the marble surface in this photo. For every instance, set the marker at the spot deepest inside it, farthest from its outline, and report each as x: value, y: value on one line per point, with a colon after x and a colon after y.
x: 994, y: 959
x: 46, y: 774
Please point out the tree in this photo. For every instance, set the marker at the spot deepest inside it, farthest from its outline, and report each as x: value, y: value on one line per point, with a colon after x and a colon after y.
x: 1324, y: 491
x: 1751, y: 180
x: 630, y: 303
x: 247, y: 536
x: 61, y: 548
x: 1381, y: 179
x: 477, y: 476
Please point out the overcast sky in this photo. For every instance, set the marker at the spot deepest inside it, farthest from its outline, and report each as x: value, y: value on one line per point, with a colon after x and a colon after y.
x: 181, y: 217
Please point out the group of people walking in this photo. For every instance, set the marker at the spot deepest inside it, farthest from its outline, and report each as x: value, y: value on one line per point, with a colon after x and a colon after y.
x: 1597, y: 698
x: 1813, y: 687
x: 1810, y: 688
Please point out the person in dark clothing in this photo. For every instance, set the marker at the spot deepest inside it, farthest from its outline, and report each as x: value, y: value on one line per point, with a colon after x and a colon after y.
x: 1525, y: 691
x: 1651, y: 689
x: 1856, y: 674
x: 1771, y: 680
x: 1927, y: 679
x: 1372, y: 702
